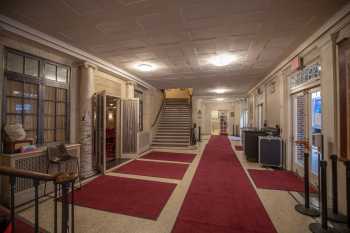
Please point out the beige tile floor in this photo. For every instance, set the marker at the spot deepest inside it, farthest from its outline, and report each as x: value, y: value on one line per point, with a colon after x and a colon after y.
x: 279, y: 205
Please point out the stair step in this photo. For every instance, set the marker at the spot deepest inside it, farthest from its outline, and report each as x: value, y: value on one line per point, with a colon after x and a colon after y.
x: 177, y: 115
x: 174, y: 127
x: 175, y: 119
x: 175, y: 123
x: 161, y: 133
x: 171, y: 140
x: 171, y: 136
x: 174, y: 130
x: 169, y: 144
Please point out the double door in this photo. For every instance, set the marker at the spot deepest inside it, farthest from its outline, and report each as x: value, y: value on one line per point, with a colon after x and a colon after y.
x: 107, y: 130
x: 307, y: 120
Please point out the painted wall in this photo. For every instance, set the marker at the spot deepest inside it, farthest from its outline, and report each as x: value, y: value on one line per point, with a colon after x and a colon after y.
x: 202, y: 109
x: 178, y: 93
x: 277, y: 105
x: 102, y: 81
x: 113, y: 85
x: 153, y: 100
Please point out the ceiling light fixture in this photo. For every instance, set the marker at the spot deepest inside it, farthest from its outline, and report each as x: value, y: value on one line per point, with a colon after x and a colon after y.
x: 145, y: 67
x: 220, y: 99
x: 220, y: 91
x: 222, y: 59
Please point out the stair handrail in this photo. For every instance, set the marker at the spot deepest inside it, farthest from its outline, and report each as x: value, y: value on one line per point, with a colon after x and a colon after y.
x: 65, y: 180
x: 158, y: 113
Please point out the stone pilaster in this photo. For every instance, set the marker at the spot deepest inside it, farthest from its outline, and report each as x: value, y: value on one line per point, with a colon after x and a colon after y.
x: 130, y: 88
x: 87, y: 90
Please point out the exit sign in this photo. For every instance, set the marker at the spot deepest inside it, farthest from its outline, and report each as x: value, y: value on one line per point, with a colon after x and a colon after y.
x: 295, y: 64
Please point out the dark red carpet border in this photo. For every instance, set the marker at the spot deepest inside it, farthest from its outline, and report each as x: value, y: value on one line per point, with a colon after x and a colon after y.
x: 278, y: 180
x: 138, y: 198
x: 221, y: 198
x: 170, y: 156
x: 154, y: 169
x: 22, y: 226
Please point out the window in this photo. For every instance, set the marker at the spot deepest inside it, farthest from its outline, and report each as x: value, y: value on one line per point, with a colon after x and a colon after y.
x: 54, y: 114
x: 138, y: 94
x: 36, y: 96
x: 22, y: 106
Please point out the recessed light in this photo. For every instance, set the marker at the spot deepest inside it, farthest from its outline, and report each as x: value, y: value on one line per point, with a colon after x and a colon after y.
x: 220, y: 99
x: 222, y: 59
x: 145, y: 67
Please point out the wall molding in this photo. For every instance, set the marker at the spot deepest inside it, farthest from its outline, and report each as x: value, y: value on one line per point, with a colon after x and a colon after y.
x: 13, y: 26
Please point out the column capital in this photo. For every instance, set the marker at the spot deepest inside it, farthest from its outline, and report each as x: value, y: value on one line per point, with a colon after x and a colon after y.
x: 131, y: 82
x: 87, y: 65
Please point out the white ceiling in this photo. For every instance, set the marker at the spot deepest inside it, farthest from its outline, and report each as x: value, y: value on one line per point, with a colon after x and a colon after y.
x: 179, y: 36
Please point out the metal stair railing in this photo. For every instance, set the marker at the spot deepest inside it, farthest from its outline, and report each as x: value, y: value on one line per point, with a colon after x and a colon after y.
x: 63, y: 180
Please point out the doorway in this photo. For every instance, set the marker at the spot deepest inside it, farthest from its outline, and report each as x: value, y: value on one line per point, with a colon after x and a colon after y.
x: 214, y: 123
x: 218, y: 122
x: 107, y: 131
x: 307, y: 120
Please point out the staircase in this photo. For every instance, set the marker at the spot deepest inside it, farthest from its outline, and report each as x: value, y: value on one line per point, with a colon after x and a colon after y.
x: 174, y: 127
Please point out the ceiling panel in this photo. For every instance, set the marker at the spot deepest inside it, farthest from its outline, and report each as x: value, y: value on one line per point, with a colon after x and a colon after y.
x: 180, y: 36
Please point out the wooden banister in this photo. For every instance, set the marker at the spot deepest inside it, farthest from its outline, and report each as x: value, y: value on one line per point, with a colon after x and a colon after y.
x: 65, y: 180
x: 158, y: 113
x: 8, y: 171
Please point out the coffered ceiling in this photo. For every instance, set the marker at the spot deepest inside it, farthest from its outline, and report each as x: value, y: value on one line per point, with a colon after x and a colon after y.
x: 179, y: 36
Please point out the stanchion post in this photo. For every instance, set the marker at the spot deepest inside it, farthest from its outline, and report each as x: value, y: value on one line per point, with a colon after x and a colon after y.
x: 334, y: 215
x: 306, y: 209
x: 323, y: 192
x: 307, y: 179
x: 347, y: 165
x: 323, y: 226
x: 199, y: 133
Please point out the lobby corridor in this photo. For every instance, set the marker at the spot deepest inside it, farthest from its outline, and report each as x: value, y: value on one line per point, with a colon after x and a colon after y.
x: 215, y: 195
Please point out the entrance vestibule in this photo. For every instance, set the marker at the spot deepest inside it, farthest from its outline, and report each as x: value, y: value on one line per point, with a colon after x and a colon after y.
x: 107, y: 131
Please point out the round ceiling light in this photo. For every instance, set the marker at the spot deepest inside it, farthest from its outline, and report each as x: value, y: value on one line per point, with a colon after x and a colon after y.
x: 145, y: 67
x: 219, y: 91
x: 222, y: 59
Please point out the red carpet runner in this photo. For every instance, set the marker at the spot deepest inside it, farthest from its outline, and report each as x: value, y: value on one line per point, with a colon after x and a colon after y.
x: 155, y: 169
x: 133, y: 197
x: 170, y: 156
x: 278, y: 180
x: 221, y: 198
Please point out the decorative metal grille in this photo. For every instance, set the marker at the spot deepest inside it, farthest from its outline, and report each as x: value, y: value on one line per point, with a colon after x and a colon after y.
x: 308, y: 73
x: 38, y: 164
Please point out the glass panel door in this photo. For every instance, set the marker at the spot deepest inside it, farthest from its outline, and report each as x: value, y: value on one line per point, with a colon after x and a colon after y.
x: 307, y: 120
x: 315, y: 127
